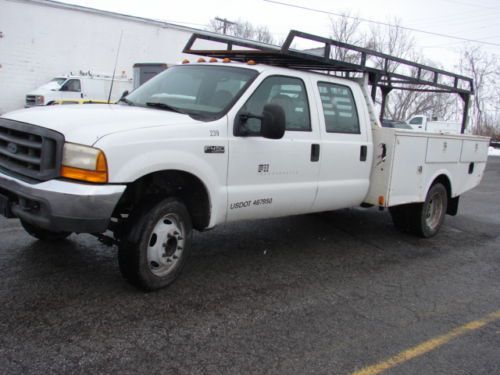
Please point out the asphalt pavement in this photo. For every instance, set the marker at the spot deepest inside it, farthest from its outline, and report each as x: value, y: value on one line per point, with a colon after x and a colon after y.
x: 328, y: 293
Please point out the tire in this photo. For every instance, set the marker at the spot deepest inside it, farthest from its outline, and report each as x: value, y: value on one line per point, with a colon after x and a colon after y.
x: 400, y: 217
x: 43, y: 234
x: 423, y: 219
x: 153, y: 253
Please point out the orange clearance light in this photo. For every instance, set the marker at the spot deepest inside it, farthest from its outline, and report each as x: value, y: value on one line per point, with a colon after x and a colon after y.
x: 201, y: 60
x: 185, y: 61
x: 381, y: 200
x: 213, y: 59
x: 251, y: 62
x: 226, y: 60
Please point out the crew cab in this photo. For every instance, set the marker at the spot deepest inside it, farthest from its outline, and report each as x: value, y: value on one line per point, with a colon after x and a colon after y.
x: 211, y: 142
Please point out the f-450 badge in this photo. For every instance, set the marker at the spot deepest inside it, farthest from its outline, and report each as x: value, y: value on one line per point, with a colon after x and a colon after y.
x: 214, y: 149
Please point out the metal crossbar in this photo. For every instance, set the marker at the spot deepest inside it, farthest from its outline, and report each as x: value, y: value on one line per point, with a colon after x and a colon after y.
x: 384, y: 71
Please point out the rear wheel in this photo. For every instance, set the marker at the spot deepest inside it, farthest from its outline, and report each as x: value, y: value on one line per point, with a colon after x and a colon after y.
x: 154, y: 252
x: 424, y: 219
x: 43, y: 234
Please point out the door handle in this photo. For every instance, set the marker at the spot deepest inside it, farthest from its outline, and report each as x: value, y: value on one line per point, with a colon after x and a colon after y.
x: 315, y: 152
x: 363, y: 152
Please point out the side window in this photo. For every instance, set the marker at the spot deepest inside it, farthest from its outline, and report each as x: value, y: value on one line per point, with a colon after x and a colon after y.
x: 416, y: 121
x: 72, y: 85
x: 339, y: 108
x: 290, y: 93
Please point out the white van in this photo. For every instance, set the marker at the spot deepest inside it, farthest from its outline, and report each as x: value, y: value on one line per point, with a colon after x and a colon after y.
x: 74, y: 87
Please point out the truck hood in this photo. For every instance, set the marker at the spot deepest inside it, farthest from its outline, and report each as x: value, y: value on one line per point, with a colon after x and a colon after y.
x: 87, y: 123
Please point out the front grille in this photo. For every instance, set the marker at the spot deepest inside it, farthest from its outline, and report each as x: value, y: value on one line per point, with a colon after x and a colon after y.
x: 30, y: 100
x: 29, y: 150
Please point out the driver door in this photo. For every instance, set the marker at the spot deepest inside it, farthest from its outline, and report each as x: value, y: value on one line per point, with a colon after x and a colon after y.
x: 273, y: 177
x: 71, y: 89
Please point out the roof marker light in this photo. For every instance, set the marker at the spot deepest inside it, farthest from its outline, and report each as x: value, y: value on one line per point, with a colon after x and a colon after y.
x: 213, y: 59
x: 201, y: 60
x: 251, y: 62
x: 226, y: 60
x: 185, y: 61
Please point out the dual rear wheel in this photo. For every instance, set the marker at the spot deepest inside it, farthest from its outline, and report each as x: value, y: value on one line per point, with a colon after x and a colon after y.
x: 423, y: 219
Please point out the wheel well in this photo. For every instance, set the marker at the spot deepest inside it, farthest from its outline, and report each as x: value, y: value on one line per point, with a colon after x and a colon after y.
x: 445, y: 181
x: 173, y: 183
x: 452, y: 206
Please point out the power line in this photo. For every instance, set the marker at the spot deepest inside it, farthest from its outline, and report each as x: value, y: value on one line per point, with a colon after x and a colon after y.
x: 383, y: 23
x: 470, y: 4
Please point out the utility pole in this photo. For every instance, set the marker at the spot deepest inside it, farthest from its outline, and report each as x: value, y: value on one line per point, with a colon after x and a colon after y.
x: 225, y: 23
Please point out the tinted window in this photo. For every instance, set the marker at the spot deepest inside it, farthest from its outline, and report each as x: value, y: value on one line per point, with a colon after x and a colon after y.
x: 339, y: 108
x: 287, y: 92
x: 416, y: 121
x: 198, y: 89
x: 72, y: 85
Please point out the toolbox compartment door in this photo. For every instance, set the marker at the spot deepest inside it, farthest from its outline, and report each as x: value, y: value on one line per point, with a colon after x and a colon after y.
x: 443, y: 150
x: 474, y: 151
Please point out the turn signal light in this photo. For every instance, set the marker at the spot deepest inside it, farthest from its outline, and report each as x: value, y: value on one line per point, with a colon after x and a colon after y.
x: 381, y: 200
x: 99, y: 175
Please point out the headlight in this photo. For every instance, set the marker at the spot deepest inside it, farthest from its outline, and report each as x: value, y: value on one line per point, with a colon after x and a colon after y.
x: 39, y: 100
x: 84, y: 163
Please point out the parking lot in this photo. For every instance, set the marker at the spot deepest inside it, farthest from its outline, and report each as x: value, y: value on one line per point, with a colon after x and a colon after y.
x: 333, y: 293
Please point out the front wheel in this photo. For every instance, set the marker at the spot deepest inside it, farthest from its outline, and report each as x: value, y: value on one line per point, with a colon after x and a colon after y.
x: 154, y: 252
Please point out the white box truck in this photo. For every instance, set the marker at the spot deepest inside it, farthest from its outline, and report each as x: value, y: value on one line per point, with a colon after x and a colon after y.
x: 262, y: 134
x: 76, y: 87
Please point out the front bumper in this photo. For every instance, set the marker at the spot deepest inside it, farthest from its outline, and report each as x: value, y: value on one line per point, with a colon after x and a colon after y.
x: 58, y: 205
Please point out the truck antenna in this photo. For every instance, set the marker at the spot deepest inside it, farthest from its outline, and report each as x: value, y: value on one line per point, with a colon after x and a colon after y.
x: 114, y: 69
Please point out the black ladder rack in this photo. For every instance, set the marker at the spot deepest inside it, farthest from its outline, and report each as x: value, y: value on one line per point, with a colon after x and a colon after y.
x: 384, y: 71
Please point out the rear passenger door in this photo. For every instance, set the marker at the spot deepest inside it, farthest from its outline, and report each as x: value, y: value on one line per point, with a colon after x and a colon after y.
x: 274, y: 177
x: 346, y: 149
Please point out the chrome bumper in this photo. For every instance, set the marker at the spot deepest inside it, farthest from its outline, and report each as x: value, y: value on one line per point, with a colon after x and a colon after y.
x: 61, y: 205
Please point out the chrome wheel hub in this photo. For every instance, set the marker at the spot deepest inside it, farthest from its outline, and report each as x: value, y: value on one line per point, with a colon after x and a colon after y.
x: 166, y: 244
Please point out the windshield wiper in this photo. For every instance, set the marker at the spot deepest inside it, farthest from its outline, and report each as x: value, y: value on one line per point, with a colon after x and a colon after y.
x: 125, y: 100
x: 165, y: 106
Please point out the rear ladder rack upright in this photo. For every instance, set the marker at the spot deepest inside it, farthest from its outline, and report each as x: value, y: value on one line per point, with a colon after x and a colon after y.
x: 384, y: 71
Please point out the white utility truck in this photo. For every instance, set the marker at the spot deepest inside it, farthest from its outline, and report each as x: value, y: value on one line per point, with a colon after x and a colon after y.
x: 260, y: 134
x: 75, y: 87
x: 424, y: 123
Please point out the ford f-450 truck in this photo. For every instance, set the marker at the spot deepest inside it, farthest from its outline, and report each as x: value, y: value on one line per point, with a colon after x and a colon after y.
x: 265, y: 133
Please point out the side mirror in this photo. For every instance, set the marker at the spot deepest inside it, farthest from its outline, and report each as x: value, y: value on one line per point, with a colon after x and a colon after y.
x: 273, y: 122
x: 124, y: 94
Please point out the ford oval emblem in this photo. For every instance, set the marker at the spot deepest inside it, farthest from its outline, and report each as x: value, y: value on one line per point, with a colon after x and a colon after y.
x: 12, y: 148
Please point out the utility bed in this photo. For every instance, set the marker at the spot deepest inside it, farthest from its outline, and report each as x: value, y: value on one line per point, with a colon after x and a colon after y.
x: 405, y: 162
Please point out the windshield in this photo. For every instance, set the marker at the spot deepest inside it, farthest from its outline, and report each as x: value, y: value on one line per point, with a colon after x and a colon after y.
x: 58, y: 80
x: 201, y: 91
x: 54, y: 84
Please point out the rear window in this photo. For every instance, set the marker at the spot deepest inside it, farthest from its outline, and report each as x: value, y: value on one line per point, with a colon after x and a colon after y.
x: 339, y: 108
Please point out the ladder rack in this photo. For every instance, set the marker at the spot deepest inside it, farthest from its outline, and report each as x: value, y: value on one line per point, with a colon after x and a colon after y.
x: 384, y: 71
